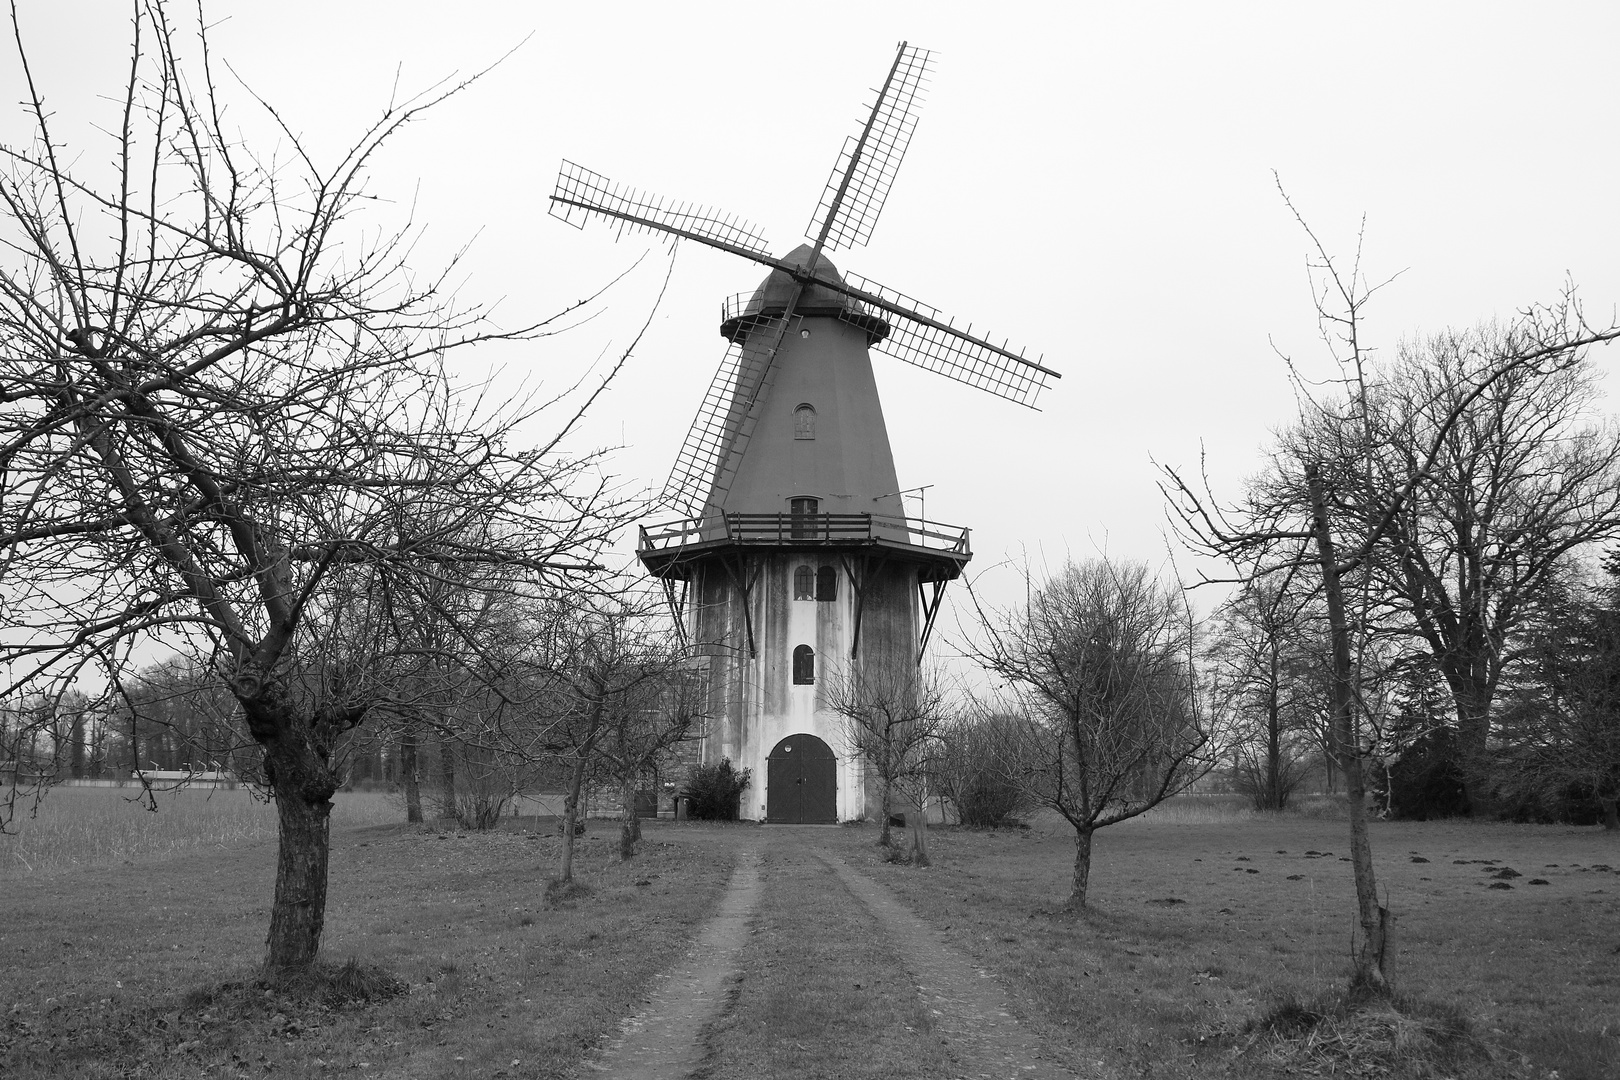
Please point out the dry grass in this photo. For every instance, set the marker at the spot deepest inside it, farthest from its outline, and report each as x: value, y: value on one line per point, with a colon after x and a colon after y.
x: 1206, y: 934
x: 1196, y: 930
x: 149, y: 969
x: 76, y: 828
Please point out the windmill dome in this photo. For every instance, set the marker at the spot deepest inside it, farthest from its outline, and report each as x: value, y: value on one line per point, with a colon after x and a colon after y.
x: 771, y: 298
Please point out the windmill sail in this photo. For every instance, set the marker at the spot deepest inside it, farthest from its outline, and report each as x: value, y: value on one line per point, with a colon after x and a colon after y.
x: 865, y: 169
x: 581, y: 194
x: 713, y: 438
x: 922, y: 335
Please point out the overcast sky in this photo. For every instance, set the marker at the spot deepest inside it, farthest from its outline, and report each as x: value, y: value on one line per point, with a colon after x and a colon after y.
x: 1092, y: 181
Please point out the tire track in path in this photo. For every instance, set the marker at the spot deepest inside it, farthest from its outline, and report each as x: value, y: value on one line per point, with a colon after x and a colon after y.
x: 661, y: 1041
x: 970, y: 1008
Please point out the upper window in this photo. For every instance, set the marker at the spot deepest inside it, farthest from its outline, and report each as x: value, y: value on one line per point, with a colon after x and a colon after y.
x: 804, y: 584
x: 804, y: 665
x: 826, y: 583
x: 804, y: 422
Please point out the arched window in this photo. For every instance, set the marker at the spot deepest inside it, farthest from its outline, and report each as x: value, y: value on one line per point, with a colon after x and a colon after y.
x: 804, y: 584
x: 826, y: 583
x: 804, y: 422
x: 804, y: 666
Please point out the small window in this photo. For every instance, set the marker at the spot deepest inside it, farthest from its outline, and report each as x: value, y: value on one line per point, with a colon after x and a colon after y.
x: 804, y: 666
x: 804, y: 422
x: 826, y: 583
x: 804, y: 584
x: 804, y: 511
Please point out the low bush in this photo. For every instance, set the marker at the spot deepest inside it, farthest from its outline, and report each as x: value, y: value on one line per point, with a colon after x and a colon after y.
x: 712, y: 792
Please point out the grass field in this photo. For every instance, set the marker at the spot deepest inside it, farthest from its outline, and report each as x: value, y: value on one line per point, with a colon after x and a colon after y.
x: 1197, y: 928
x: 1201, y: 922
x: 75, y: 828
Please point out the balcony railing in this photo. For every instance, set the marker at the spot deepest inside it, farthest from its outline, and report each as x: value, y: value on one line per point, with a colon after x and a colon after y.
x: 790, y: 530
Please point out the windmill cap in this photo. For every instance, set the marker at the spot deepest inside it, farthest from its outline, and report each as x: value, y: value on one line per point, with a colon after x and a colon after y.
x: 740, y: 315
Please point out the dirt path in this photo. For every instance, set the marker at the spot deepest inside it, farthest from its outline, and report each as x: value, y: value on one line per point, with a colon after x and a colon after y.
x: 980, y: 1037
x: 661, y: 1041
x: 970, y: 1008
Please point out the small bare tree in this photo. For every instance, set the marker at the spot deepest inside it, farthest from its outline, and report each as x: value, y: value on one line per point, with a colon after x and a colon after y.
x: 1100, y: 661
x: 893, y: 716
x: 1259, y: 663
x: 602, y: 686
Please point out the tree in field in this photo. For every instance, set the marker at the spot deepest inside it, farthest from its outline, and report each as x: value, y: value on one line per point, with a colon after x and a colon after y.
x: 226, y: 427
x: 1524, y: 475
x: 605, y: 690
x: 978, y: 770
x: 892, y: 717
x: 1260, y: 665
x: 1100, y: 662
x: 1565, y: 739
x: 639, y: 741
x: 1325, y: 507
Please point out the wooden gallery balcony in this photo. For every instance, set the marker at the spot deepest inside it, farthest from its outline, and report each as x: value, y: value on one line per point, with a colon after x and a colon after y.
x: 669, y: 549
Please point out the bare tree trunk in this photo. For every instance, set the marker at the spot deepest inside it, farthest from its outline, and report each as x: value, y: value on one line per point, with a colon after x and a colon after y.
x: 76, y: 747
x: 1274, y: 795
x: 885, y: 810
x: 1082, y: 866
x: 447, y: 774
x: 919, y: 835
x: 408, y: 768
x: 303, y: 784
x: 630, y: 826
x: 576, y: 783
x: 1611, y: 813
x: 1369, y: 957
x: 1474, y: 727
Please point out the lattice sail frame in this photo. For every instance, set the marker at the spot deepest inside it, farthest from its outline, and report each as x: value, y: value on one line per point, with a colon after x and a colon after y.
x: 712, y: 439
x: 882, y: 147
x: 582, y: 194
x: 926, y: 337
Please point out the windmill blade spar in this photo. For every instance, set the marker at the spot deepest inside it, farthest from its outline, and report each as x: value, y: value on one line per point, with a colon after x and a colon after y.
x: 924, y: 336
x: 865, y: 169
x: 582, y: 194
x: 712, y: 438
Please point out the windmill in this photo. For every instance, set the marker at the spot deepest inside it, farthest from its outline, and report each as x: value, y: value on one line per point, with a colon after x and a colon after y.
x: 793, y: 558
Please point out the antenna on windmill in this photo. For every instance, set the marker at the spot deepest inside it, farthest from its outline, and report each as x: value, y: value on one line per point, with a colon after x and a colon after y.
x: 845, y: 216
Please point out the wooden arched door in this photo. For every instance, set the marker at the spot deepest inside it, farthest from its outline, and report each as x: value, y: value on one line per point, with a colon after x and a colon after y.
x: 801, y: 783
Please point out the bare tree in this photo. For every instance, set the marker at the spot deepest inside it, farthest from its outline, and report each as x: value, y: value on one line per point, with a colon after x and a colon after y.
x: 602, y: 688
x: 1525, y: 475
x: 1261, y: 666
x: 225, y: 426
x: 1101, y: 663
x: 893, y: 716
x: 643, y: 731
x: 1317, y: 510
x: 978, y: 769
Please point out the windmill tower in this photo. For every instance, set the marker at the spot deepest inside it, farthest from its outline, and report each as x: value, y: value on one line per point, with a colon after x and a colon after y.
x: 794, y: 558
